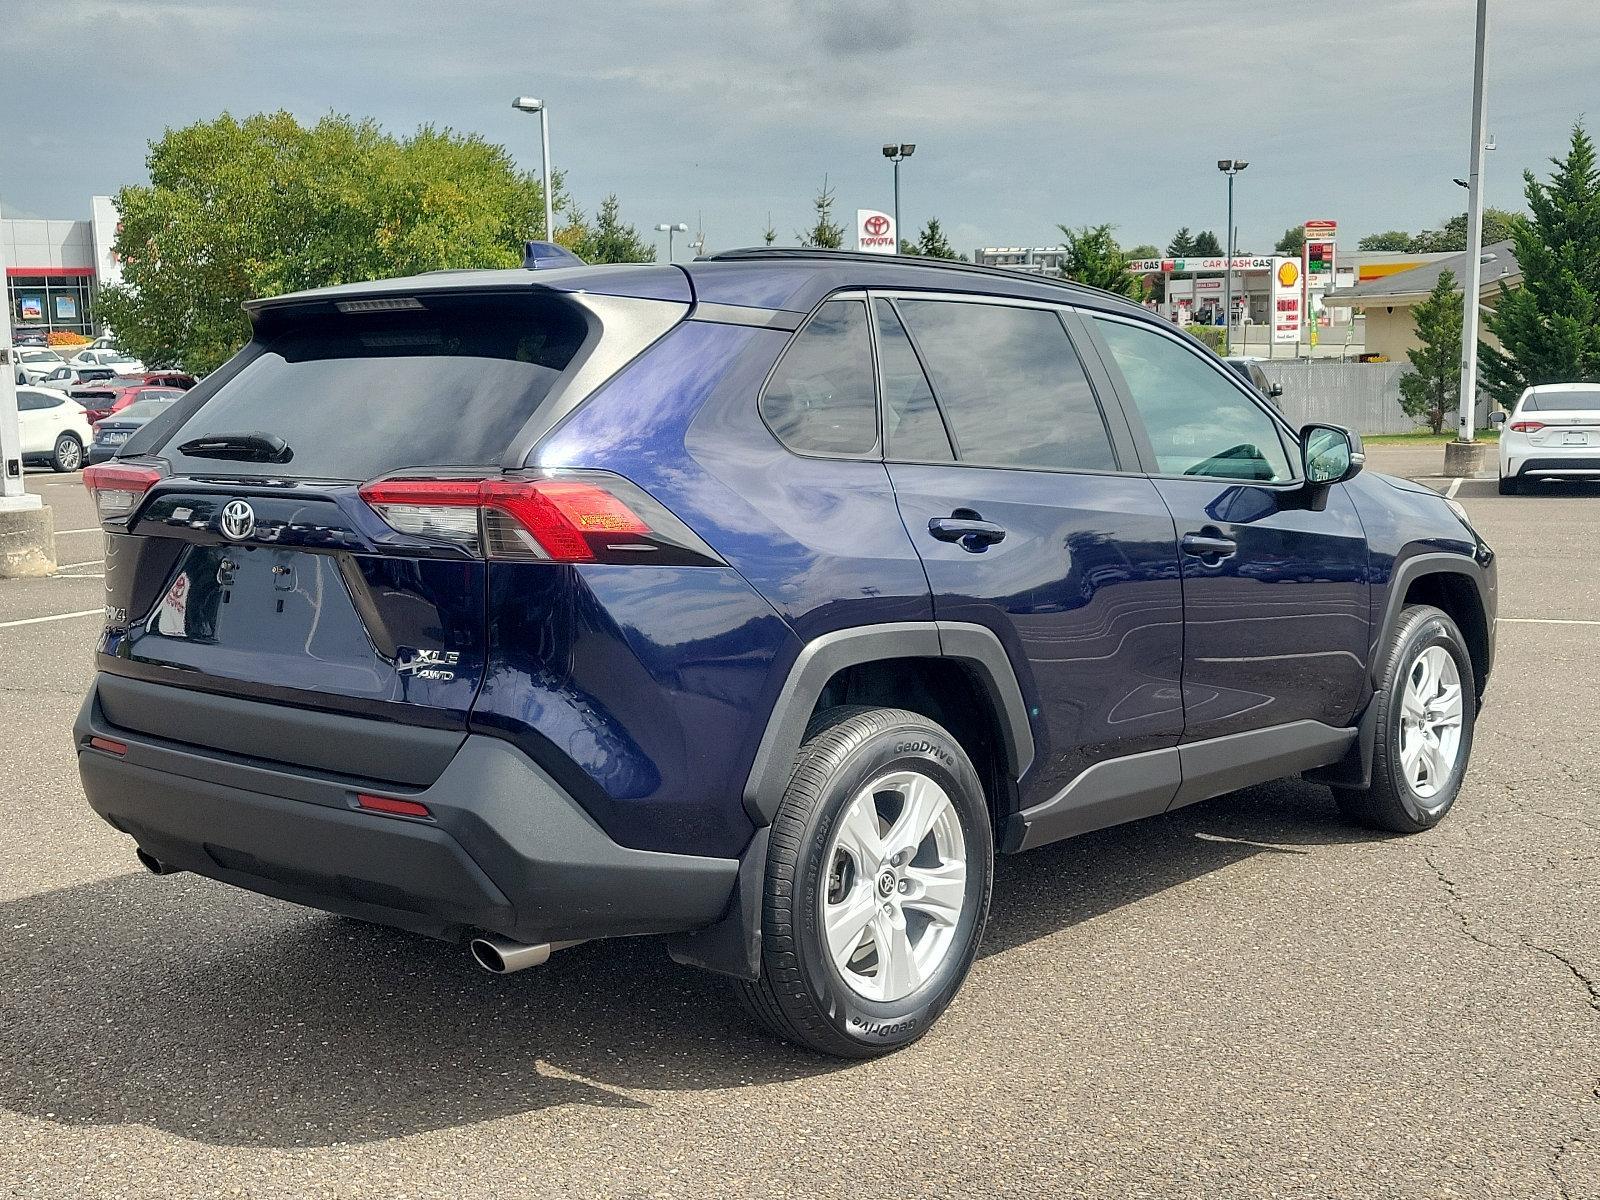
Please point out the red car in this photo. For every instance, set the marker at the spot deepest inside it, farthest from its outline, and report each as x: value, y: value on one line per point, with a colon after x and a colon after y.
x: 101, y: 400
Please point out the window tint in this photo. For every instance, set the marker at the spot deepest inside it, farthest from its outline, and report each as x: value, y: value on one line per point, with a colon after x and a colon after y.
x: 30, y: 401
x: 912, y: 426
x: 360, y: 395
x: 1011, y: 385
x: 821, y: 398
x: 1198, y: 422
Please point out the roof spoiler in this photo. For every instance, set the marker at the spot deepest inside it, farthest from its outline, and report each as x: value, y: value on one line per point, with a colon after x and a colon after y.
x: 542, y: 256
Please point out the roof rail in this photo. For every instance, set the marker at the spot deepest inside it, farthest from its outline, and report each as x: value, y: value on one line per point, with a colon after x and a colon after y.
x: 756, y: 253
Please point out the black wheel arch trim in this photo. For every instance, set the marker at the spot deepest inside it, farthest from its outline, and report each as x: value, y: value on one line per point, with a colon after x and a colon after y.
x: 1420, y: 565
x: 822, y: 658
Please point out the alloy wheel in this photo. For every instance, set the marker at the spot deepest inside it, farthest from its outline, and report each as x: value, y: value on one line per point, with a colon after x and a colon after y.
x: 896, y: 885
x: 1430, y: 722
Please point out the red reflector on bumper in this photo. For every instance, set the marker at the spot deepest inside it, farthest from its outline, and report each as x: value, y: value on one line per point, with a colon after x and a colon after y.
x: 110, y: 747
x: 388, y: 804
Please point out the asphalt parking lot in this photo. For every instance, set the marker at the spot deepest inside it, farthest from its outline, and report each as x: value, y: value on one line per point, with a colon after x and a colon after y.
x: 1246, y: 998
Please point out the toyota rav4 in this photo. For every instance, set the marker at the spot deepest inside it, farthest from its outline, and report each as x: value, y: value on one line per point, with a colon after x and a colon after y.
x: 755, y: 602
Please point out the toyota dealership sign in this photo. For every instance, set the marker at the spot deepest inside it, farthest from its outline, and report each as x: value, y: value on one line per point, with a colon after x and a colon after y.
x: 875, y: 232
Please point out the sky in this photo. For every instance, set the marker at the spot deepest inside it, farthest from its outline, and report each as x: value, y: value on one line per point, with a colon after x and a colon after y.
x: 1026, y: 114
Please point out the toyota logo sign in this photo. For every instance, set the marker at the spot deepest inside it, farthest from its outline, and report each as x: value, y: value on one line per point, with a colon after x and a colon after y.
x: 875, y: 232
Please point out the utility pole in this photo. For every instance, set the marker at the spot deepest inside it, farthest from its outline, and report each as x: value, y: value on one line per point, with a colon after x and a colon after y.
x: 1463, y: 457
x: 27, y: 534
x: 1229, y: 167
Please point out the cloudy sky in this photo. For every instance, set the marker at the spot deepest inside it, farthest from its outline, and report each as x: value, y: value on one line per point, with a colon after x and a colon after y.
x: 1026, y: 113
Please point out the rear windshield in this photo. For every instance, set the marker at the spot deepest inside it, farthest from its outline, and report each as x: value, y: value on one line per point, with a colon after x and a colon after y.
x: 143, y: 410
x: 1584, y: 400
x: 360, y: 395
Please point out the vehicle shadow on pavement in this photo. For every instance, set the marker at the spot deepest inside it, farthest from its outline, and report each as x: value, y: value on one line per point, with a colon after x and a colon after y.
x: 224, y: 1017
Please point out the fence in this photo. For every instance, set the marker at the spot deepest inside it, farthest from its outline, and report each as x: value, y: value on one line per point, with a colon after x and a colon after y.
x: 1363, y: 396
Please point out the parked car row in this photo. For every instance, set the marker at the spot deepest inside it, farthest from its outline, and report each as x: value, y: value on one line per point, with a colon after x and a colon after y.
x: 62, y: 404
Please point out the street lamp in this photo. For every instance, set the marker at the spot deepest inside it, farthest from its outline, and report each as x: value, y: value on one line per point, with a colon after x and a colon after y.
x: 669, y: 230
x: 1229, y: 167
x: 898, y: 152
x: 528, y: 104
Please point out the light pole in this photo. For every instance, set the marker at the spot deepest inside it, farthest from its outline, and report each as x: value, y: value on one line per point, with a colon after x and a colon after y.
x: 1468, y: 409
x: 1229, y: 167
x: 669, y: 230
x: 897, y: 153
x: 27, y: 542
x: 530, y: 105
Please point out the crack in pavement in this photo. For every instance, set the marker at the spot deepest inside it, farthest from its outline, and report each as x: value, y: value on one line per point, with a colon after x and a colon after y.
x: 1453, y: 904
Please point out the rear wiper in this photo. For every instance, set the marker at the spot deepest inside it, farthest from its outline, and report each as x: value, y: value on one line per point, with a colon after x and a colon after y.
x: 241, y: 447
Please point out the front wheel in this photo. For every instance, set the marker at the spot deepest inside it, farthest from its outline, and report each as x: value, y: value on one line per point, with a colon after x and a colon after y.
x: 878, y: 875
x: 1427, y: 705
x: 68, y: 454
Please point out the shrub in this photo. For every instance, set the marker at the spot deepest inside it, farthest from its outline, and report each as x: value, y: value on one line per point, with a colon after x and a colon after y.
x: 64, y: 337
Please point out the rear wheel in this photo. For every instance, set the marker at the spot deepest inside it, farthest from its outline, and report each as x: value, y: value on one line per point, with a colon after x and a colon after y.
x: 68, y: 454
x: 877, y: 888
x: 1427, y: 705
x: 1510, y: 485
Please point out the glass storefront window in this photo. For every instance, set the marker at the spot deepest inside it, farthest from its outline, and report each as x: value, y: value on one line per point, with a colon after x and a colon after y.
x: 48, y: 303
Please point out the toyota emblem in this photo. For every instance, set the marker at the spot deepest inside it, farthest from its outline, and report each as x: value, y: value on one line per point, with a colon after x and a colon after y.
x: 877, y: 224
x: 238, y: 520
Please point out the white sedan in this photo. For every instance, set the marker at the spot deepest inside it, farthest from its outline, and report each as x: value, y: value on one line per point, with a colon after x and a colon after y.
x: 1552, y: 433
x: 55, y: 430
x: 124, y: 364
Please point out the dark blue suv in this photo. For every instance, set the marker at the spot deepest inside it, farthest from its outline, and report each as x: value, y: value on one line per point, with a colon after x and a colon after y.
x: 755, y: 602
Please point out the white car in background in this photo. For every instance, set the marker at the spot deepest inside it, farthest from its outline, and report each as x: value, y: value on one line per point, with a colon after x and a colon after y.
x: 64, y: 377
x: 34, y: 363
x: 54, y: 429
x: 1552, y: 433
x: 122, y: 363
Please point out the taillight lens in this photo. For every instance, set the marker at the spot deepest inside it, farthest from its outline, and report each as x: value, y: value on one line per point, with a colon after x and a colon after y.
x: 118, y: 489
x: 1526, y: 426
x: 588, y: 516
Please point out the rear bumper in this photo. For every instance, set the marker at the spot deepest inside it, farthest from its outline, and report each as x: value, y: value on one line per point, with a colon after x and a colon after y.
x: 506, y: 849
x: 1555, y: 461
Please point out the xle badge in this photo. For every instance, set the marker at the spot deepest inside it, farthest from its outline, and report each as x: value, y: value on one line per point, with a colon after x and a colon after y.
x: 426, y: 664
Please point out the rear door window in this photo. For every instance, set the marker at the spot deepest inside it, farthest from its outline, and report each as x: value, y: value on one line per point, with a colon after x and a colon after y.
x: 913, y: 430
x: 364, y: 394
x: 821, y: 399
x: 1011, y: 385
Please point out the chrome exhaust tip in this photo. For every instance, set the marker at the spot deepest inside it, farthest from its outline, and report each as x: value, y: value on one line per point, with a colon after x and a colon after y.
x: 153, y: 864
x: 501, y: 956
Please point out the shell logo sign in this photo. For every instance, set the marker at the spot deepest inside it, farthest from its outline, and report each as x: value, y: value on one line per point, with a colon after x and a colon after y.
x: 1288, y: 273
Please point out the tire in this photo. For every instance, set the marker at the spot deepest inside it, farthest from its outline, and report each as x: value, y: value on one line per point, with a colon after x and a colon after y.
x: 1510, y: 485
x: 68, y: 454
x: 1398, y: 800
x: 867, y: 1006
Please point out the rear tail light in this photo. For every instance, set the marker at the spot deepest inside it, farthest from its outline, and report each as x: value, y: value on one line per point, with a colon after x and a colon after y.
x: 1526, y: 426
x: 578, y: 516
x: 118, y: 489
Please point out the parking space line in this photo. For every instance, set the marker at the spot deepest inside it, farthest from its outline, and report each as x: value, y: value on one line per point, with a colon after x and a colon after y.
x: 91, y: 529
x: 1544, y: 621
x: 88, y: 562
x: 88, y: 612
x: 1455, y: 486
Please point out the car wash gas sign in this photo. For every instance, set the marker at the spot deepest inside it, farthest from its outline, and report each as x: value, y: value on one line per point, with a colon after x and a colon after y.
x: 875, y: 232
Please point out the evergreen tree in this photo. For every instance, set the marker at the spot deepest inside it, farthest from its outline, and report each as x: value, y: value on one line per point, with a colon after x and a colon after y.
x: 1431, y: 390
x: 1092, y: 258
x: 1182, y: 244
x: 769, y: 234
x: 1549, y: 328
x: 611, y: 241
x: 1205, y: 242
x: 826, y: 233
x: 931, y: 242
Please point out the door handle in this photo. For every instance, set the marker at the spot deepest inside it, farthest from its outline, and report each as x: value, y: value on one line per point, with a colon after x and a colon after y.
x: 973, y: 534
x: 1205, y: 546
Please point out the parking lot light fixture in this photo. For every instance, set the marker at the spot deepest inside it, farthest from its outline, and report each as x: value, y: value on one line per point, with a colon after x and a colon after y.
x: 898, y: 152
x: 669, y: 229
x: 1229, y: 167
x: 529, y: 104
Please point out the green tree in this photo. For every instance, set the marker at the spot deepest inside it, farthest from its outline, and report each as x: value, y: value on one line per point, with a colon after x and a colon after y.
x: 1182, y: 244
x: 1431, y: 390
x: 931, y: 242
x: 1292, y: 242
x: 1394, y: 239
x: 1549, y: 328
x: 265, y: 205
x: 1205, y: 242
x: 825, y: 233
x: 1499, y: 225
x: 611, y: 241
x: 1143, y: 250
x: 769, y: 235
x: 1092, y: 258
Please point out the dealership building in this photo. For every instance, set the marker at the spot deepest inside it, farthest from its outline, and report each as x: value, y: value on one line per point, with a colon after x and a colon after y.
x: 55, y: 270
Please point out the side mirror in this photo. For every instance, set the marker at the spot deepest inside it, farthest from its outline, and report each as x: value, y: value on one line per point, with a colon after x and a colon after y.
x: 1498, y: 419
x: 1330, y: 454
